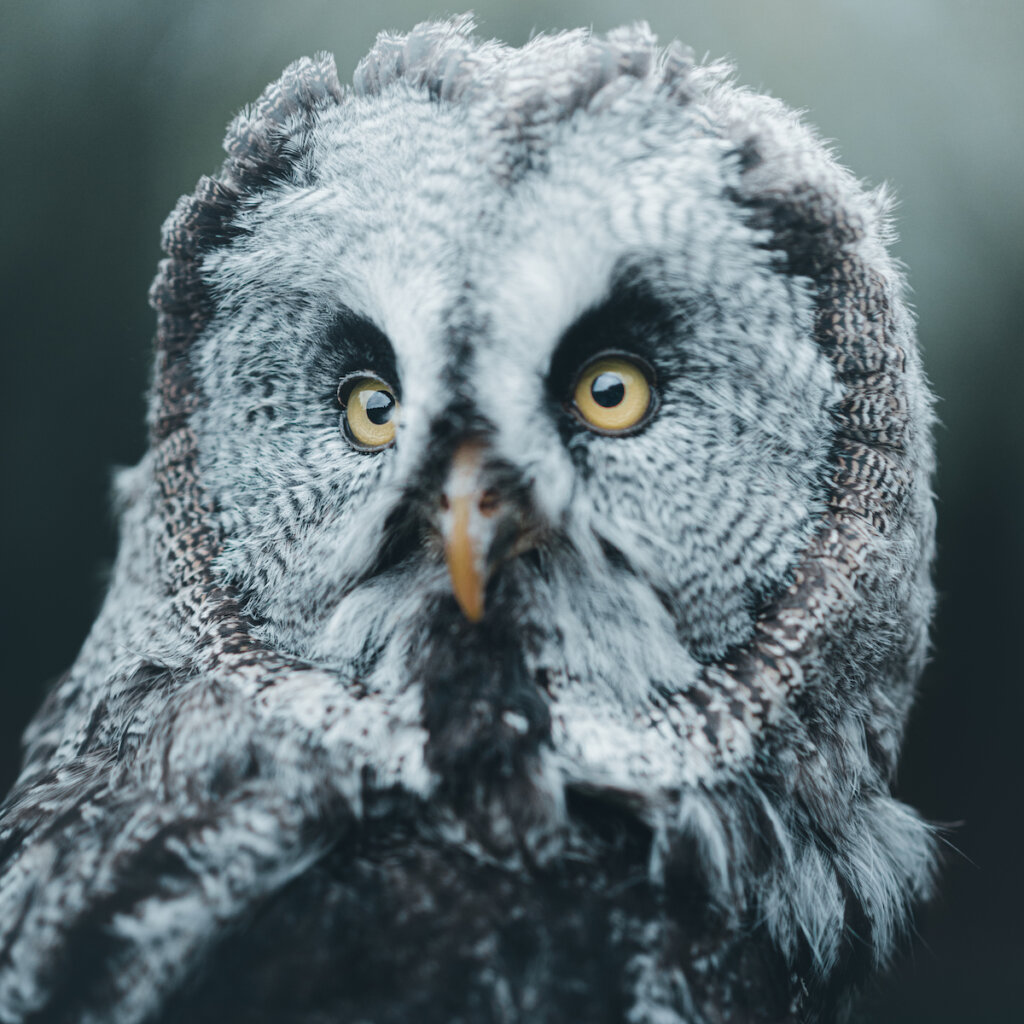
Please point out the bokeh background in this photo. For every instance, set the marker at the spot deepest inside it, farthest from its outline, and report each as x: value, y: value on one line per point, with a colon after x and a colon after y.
x: 109, y: 109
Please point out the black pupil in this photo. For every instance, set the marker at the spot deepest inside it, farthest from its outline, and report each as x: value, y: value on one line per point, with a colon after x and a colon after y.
x: 379, y: 407
x: 608, y: 389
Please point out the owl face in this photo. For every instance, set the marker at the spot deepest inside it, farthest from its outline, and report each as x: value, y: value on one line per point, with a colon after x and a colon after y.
x: 595, y: 356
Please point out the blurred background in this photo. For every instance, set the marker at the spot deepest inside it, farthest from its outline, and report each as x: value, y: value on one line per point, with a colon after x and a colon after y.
x: 112, y: 108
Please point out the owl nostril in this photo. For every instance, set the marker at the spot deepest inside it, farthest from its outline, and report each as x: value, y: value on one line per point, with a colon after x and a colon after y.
x: 489, y: 503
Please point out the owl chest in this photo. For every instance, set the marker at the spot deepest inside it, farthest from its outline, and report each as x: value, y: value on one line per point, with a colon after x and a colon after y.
x: 400, y: 927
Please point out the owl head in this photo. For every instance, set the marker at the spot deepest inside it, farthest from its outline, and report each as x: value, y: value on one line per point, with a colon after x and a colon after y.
x: 564, y: 399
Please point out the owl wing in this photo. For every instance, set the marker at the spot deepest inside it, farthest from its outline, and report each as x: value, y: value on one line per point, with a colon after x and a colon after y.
x: 119, y: 868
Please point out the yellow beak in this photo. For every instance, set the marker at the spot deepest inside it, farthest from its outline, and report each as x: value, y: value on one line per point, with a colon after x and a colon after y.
x: 468, y: 513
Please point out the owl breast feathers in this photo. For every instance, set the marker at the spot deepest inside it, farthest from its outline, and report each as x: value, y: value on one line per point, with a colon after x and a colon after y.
x: 520, y: 601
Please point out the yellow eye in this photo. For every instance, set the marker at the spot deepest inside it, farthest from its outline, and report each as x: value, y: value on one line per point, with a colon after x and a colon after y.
x: 369, y: 412
x: 613, y: 394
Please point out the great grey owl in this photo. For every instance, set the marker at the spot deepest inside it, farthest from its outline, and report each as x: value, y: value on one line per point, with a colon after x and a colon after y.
x: 519, y: 605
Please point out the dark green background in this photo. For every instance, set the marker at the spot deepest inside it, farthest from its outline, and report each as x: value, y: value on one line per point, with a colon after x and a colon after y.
x: 109, y: 109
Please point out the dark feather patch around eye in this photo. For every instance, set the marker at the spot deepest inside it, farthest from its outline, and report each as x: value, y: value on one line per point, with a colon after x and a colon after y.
x: 632, y: 320
x: 354, y: 343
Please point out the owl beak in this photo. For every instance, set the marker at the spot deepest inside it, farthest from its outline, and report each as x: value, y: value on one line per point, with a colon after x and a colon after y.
x: 469, y: 519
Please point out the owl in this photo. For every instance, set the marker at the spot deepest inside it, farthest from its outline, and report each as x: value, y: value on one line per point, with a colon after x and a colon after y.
x: 520, y: 601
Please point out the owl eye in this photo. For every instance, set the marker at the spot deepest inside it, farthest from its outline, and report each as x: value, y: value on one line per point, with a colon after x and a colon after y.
x: 369, y: 411
x: 614, y: 394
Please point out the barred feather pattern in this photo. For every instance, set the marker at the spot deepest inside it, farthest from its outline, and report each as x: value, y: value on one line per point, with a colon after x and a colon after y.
x: 171, y: 789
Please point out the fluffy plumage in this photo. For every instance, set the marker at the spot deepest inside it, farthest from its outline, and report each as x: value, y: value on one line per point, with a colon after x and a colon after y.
x: 286, y: 776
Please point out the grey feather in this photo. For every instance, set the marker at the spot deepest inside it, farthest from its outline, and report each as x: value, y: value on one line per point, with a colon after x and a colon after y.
x: 711, y: 642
